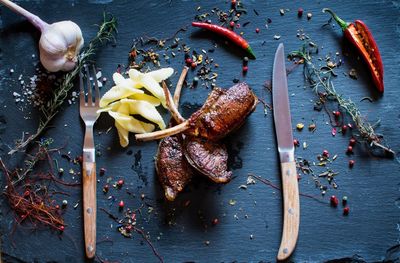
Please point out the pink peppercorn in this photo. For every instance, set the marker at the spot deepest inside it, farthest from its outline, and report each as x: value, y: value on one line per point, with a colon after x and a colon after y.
x: 334, y: 201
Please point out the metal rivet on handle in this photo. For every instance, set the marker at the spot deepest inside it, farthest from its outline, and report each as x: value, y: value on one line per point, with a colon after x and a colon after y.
x: 288, y: 172
x: 291, y: 211
x: 89, y: 210
x: 90, y: 248
x: 285, y: 251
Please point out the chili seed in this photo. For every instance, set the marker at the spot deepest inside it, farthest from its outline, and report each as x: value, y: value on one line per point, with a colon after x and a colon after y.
x: 346, y: 211
x: 334, y: 201
x: 351, y: 163
x: 300, y: 12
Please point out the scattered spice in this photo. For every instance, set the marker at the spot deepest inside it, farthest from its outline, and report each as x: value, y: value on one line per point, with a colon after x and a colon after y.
x: 351, y: 163
x: 300, y: 12
x: 320, y: 78
x: 334, y: 201
x: 346, y: 211
x: 299, y: 126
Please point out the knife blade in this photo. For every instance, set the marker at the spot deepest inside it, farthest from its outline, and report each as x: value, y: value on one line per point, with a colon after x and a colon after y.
x: 283, y: 129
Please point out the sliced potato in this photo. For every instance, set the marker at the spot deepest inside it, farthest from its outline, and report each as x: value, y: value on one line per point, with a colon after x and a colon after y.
x: 116, y: 93
x: 150, y: 99
x: 122, y: 134
x: 131, y: 124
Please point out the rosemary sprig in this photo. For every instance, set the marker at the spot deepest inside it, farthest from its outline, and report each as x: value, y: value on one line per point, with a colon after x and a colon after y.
x: 320, y: 78
x: 52, y: 107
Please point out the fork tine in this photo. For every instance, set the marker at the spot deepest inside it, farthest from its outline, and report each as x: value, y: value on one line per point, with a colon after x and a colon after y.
x: 82, y: 90
x: 96, y: 90
x: 89, y: 86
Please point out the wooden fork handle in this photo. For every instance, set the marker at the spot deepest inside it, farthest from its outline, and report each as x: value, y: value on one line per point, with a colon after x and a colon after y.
x: 291, y: 210
x: 89, y: 207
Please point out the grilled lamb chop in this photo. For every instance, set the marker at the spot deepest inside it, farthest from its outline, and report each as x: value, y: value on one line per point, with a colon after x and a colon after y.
x: 173, y: 170
x: 223, y: 112
x: 207, y: 157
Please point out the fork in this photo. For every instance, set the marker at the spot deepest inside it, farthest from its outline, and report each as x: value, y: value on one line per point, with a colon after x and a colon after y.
x: 89, y: 115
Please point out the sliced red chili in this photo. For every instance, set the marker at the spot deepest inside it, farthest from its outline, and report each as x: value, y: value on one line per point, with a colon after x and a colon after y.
x: 231, y: 35
x: 359, y: 35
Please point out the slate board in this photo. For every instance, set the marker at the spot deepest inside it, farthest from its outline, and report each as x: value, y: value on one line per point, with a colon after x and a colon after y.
x: 179, y: 231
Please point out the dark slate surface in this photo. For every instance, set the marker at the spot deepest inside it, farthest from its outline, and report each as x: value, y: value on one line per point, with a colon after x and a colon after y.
x: 372, y: 186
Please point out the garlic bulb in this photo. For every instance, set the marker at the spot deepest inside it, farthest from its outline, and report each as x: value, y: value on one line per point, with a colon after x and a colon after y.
x: 60, y: 42
x: 59, y: 46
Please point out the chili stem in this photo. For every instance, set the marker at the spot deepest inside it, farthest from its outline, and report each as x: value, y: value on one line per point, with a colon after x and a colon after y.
x: 343, y: 24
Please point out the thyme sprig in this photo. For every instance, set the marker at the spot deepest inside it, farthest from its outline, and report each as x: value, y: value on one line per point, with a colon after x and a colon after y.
x: 320, y: 80
x: 50, y: 109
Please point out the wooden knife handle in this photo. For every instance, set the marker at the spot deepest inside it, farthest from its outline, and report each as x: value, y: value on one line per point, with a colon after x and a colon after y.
x: 291, y: 210
x: 89, y: 207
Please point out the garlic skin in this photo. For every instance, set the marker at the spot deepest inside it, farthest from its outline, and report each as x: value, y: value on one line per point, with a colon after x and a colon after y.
x: 59, y: 46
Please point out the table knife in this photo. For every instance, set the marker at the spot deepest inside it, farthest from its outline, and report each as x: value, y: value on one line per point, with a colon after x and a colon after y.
x: 283, y: 129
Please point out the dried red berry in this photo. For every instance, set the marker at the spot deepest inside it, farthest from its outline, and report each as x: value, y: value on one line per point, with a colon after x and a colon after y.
x: 350, y: 149
x: 325, y: 153
x: 334, y: 201
x: 257, y: 30
x: 188, y: 61
x: 193, y: 65
x: 121, y: 204
x: 57, y: 207
x: 344, y: 129
x: 128, y: 228
x: 62, y: 228
x: 231, y: 24
x: 346, y: 211
x: 120, y: 183
x: 351, y: 163
x: 352, y: 142
x: 300, y: 12
x: 245, y: 68
x: 215, y: 221
x: 336, y: 114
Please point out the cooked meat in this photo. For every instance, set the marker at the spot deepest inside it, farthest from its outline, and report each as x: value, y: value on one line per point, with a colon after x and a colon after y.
x: 223, y: 112
x: 208, y: 157
x: 173, y: 170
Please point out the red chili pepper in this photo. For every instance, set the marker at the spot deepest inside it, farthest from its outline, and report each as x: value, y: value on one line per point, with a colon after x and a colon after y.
x: 359, y: 34
x: 231, y: 35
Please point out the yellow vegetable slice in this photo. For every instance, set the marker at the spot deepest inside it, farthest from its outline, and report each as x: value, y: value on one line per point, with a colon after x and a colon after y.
x: 116, y: 93
x: 131, y: 124
x: 122, y: 134
x: 150, y: 99
x: 160, y: 74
